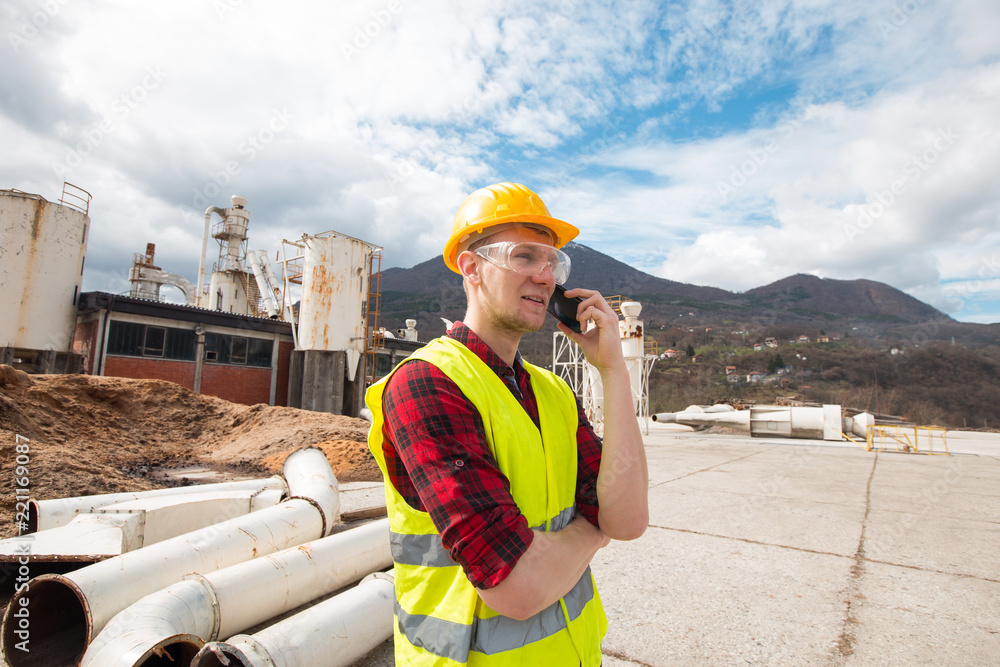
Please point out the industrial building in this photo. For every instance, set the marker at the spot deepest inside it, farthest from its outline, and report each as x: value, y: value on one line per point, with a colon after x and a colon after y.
x: 239, y: 358
x: 310, y: 339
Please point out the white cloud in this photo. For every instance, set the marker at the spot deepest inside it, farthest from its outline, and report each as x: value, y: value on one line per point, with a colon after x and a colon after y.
x: 877, y: 190
x: 396, y: 110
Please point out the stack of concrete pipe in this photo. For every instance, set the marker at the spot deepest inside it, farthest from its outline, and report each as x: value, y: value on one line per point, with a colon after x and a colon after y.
x: 89, y: 529
x: 172, y: 601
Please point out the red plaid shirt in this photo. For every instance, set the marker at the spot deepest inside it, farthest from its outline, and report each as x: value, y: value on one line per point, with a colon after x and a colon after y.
x: 438, y: 459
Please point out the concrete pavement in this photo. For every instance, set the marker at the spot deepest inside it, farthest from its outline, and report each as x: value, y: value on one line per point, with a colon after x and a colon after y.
x: 800, y: 552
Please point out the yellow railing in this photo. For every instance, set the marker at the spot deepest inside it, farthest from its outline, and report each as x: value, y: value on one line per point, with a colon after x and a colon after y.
x: 909, y: 439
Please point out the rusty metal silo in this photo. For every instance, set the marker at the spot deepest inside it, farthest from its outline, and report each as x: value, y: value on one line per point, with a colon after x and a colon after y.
x: 41, y: 271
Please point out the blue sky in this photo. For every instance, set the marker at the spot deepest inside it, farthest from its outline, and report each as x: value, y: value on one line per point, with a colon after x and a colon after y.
x: 716, y: 143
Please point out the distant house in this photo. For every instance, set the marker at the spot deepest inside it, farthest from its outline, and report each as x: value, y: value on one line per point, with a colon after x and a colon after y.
x: 754, y: 376
x: 823, y: 339
x: 730, y: 370
x: 669, y: 354
x: 757, y: 347
x: 802, y: 339
x: 731, y: 374
x: 771, y: 342
x: 698, y: 358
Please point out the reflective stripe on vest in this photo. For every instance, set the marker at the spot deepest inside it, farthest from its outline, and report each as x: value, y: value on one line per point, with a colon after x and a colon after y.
x: 427, y: 550
x: 496, y: 634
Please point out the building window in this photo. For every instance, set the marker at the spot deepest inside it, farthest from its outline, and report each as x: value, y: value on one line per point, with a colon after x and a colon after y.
x: 180, y: 344
x: 241, y: 350
x: 238, y: 350
x: 131, y: 339
x: 153, y: 341
x: 126, y: 338
x: 383, y: 364
x: 259, y: 352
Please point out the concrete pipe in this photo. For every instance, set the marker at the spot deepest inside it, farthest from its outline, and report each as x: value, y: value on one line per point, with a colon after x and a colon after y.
x: 67, y: 611
x: 697, y: 417
x: 179, y: 619
x: 337, y: 632
x: 122, y: 527
x: 46, y: 514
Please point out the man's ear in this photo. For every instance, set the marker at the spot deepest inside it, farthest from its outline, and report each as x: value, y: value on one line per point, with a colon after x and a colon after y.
x: 469, y: 267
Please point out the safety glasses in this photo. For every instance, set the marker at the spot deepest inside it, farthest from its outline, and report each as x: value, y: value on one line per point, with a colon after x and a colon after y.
x: 528, y: 259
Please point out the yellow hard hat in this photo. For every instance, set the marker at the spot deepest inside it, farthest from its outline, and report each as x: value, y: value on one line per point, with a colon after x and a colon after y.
x: 501, y: 204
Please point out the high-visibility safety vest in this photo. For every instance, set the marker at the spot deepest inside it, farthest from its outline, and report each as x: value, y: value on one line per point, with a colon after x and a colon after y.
x: 440, y: 619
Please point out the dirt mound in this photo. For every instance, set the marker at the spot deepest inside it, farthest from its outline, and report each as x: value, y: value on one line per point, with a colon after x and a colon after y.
x: 350, y: 463
x: 83, y: 434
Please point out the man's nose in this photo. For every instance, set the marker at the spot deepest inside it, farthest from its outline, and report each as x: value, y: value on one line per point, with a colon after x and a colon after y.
x: 545, y: 276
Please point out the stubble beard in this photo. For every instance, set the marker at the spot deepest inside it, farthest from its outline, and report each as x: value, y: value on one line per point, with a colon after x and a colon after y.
x: 507, y: 320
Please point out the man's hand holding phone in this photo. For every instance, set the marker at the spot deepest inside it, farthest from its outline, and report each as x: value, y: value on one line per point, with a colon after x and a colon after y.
x: 599, y: 339
x: 564, y: 308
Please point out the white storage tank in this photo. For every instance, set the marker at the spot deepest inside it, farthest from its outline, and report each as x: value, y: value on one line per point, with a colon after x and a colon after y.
x: 41, y: 271
x: 633, y: 344
x: 334, y: 292
x: 630, y: 330
x: 227, y: 292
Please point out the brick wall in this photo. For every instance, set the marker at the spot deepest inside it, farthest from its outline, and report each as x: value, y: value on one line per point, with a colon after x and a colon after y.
x: 238, y: 384
x: 85, y: 343
x: 181, y: 372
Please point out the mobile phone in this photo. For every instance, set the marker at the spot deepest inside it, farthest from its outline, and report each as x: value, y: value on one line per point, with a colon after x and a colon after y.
x: 564, y: 308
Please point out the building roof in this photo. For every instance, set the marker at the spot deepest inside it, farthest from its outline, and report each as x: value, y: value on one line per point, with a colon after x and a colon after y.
x: 94, y: 301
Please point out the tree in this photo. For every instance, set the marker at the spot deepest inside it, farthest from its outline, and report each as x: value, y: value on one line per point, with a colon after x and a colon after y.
x: 776, y: 364
x: 690, y: 350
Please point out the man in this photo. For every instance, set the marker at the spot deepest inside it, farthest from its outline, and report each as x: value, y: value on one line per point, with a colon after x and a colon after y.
x: 499, y: 491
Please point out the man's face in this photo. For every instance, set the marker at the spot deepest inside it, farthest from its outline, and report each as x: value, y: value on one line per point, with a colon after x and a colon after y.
x: 513, y: 301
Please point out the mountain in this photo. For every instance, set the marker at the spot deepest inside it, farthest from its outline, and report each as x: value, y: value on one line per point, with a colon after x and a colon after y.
x: 589, y: 267
x: 429, y: 291
x: 854, y: 298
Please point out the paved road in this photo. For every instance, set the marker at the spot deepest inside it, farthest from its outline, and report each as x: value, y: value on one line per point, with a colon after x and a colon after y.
x: 798, y: 552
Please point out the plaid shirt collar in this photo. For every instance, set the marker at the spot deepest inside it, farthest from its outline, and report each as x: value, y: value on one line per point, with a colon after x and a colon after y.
x: 471, y: 340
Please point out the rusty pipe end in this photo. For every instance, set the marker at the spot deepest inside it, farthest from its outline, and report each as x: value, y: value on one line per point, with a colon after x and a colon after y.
x: 224, y: 654
x: 48, y: 622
